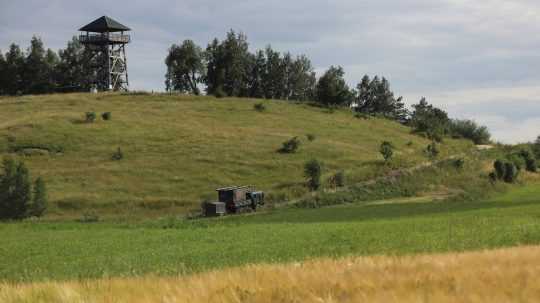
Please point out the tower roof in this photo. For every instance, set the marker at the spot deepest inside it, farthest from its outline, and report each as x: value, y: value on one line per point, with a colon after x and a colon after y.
x: 104, y: 25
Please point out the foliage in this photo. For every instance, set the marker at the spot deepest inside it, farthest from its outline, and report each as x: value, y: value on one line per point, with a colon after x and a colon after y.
x: 106, y: 116
x: 313, y: 172
x: 432, y: 150
x: 15, y: 190
x: 459, y: 163
x: 430, y: 120
x: 387, y: 150
x: 260, y: 107
x: 311, y: 137
x: 185, y: 68
x: 511, y: 172
x: 118, y: 155
x: 332, y: 89
x: 468, y: 129
x: 39, y: 200
x: 500, y: 169
x: 536, y: 147
x: 338, y: 179
x: 290, y: 146
x: 374, y: 97
x: 90, y: 117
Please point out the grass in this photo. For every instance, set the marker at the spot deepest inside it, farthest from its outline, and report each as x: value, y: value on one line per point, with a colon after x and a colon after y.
x: 36, y: 251
x: 178, y: 149
x: 507, y: 275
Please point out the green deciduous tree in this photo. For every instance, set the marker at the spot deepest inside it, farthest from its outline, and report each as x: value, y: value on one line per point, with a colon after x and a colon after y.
x: 425, y: 118
x: 185, y: 68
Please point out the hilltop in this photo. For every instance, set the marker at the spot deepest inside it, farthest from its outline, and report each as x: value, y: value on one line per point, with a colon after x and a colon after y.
x: 178, y: 149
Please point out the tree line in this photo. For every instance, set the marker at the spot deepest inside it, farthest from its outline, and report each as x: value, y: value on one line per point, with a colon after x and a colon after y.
x: 39, y: 70
x: 228, y: 68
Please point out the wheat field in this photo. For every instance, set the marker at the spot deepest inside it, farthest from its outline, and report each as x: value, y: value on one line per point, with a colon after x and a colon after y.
x: 506, y: 275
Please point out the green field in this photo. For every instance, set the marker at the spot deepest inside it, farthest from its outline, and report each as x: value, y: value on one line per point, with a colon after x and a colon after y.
x: 178, y: 149
x: 58, y: 251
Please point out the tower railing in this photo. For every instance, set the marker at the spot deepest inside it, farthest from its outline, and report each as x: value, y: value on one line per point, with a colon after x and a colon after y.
x: 104, y: 38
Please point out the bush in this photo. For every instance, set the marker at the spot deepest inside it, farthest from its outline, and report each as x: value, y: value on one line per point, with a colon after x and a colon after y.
x: 106, y: 116
x: 458, y: 163
x: 290, y: 146
x: 527, y: 160
x: 530, y: 165
x: 500, y: 169
x: 90, y: 117
x: 313, y: 172
x: 387, y: 150
x: 15, y: 190
x: 432, y: 150
x: 260, y: 107
x: 310, y: 137
x: 468, y: 129
x: 338, y: 179
x: 511, y: 172
x: 39, y: 202
x: 118, y: 155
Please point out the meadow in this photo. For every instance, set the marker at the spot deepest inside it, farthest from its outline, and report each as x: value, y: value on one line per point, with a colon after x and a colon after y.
x: 505, y: 275
x: 37, y: 251
x: 179, y: 149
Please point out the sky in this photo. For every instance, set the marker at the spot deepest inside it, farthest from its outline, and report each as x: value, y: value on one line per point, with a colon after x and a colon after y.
x: 477, y: 59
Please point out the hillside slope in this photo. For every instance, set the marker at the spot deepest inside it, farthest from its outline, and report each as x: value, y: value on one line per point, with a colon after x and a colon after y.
x: 178, y: 149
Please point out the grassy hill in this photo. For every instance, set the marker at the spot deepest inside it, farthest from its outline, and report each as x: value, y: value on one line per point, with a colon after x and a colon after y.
x: 178, y: 149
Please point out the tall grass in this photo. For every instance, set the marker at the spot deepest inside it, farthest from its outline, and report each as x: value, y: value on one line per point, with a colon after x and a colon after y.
x: 508, y: 275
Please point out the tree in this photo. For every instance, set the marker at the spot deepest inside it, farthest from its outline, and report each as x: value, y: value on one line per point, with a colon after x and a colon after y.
x: 3, y: 74
x: 301, y: 79
x: 536, y: 147
x: 430, y: 120
x: 375, y: 97
x: 313, y: 172
x: 387, y: 150
x: 72, y: 69
x: 332, y: 89
x: 39, y: 202
x: 273, y: 78
x: 215, y: 72
x: 15, y: 190
x: 15, y: 62
x: 470, y: 130
x: 185, y: 68
x: 35, y: 69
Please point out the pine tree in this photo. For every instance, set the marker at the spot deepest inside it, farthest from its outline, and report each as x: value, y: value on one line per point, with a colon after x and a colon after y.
x: 14, y: 69
x: 7, y: 186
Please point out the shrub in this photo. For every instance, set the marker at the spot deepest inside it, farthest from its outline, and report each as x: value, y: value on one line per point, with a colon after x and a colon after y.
x: 106, y: 116
x: 500, y: 169
x: 530, y: 165
x: 15, y: 190
x: 468, y: 129
x: 410, y: 143
x: 39, y: 202
x: 387, y: 150
x: 338, y: 179
x: 90, y: 117
x: 310, y: 137
x: 511, y: 172
x: 260, y: 107
x: 290, y: 146
x: 313, y: 172
x: 432, y: 150
x: 458, y: 163
x: 118, y: 155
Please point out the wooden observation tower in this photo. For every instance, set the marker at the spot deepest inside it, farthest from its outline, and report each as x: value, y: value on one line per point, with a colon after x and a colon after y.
x: 105, y: 43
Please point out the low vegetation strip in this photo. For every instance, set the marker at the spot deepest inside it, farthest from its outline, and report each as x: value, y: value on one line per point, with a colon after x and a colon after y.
x: 489, y: 276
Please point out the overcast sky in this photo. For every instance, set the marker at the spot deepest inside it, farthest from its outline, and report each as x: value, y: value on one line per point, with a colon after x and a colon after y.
x: 478, y: 59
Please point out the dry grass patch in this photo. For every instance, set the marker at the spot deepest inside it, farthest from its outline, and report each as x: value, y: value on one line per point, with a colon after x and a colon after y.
x: 507, y: 275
